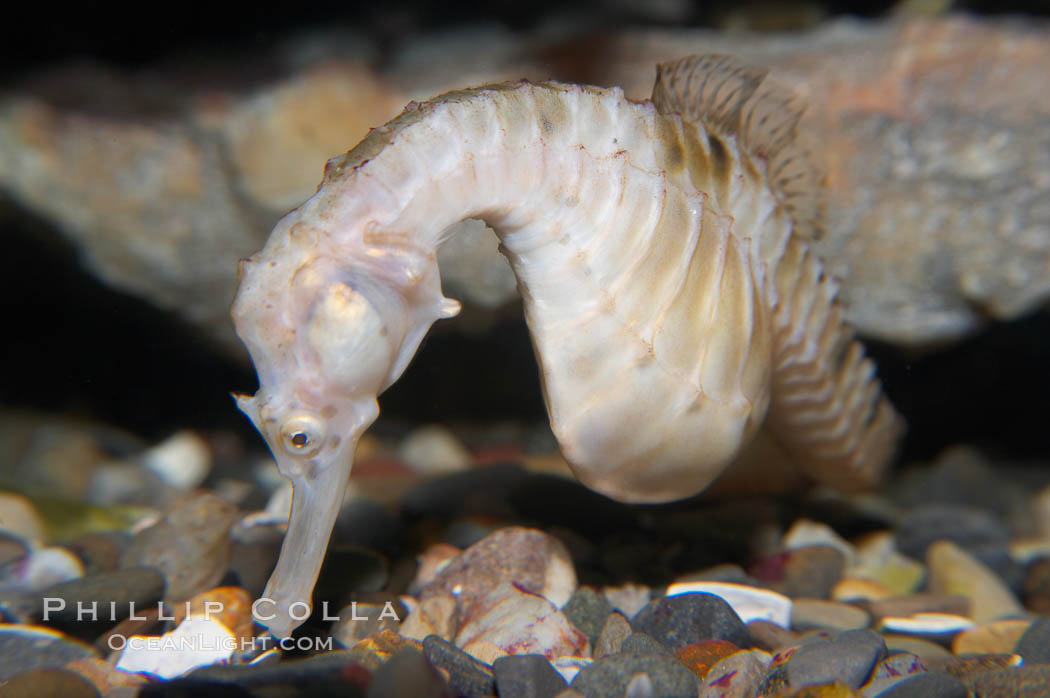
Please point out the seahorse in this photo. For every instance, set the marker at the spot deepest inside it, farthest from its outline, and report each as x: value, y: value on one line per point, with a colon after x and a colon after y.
x: 662, y: 249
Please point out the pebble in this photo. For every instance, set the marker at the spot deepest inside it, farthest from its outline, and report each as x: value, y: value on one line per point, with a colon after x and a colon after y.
x: 568, y: 667
x: 39, y: 569
x: 18, y: 517
x: 616, y: 629
x: 931, y: 684
x: 103, y: 675
x: 924, y: 649
x: 878, y: 559
x: 809, y: 572
x: 892, y: 670
x: 750, y: 603
x: 939, y: 627
x: 527, y: 558
x: 770, y: 636
x: 374, y: 650
x: 467, y: 676
x: 699, y: 657
x: 922, y: 602
x: 433, y: 449
x: 437, y: 615
x: 362, y: 620
x: 611, y: 676
x: 676, y: 621
x: 1034, y: 644
x: 99, y: 552
x: 24, y: 647
x: 628, y: 599
x: 1016, y: 682
x: 527, y: 676
x: 190, y: 545
x: 1037, y: 586
x: 182, y: 461
x: 857, y: 589
x: 814, y: 614
x: 965, y: 667
x: 11, y: 547
x: 408, y: 673
x: 47, y: 683
x: 995, y: 637
x: 19, y: 606
x: 642, y: 643
x: 804, y: 533
x: 588, y: 610
x: 114, y: 592
x: 737, y: 676
x: 965, y: 526
x: 848, y: 657
x: 194, y: 643
x: 231, y: 606
x: 519, y: 622
x: 434, y: 559
x: 954, y: 571
x: 327, y: 674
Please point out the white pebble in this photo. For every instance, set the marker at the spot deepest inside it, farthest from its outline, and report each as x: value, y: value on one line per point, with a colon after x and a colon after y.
x: 183, y: 460
x: 750, y: 603
x: 196, y: 642
x: 927, y: 624
x: 433, y: 450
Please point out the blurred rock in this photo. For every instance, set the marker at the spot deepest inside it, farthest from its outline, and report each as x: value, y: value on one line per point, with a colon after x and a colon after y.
x: 954, y: 571
x: 932, y: 137
x: 434, y: 449
x: 28, y: 647
x: 191, y: 545
x: 183, y: 460
x: 39, y: 569
x: 19, y: 517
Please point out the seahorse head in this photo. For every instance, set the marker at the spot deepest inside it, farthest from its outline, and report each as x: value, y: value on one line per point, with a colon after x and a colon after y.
x: 329, y: 322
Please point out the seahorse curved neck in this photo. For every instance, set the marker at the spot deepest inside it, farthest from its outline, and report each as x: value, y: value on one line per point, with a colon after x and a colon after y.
x: 640, y: 244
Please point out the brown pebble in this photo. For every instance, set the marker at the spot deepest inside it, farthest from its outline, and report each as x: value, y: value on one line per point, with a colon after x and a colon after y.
x: 811, y: 572
x: 812, y: 614
x: 1037, y: 586
x: 770, y: 636
x: 437, y: 615
x: 922, y: 602
x: 995, y: 637
x: 103, y: 675
x: 614, y: 632
x: 699, y: 657
x: 47, y: 683
x: 963, y: 667
x: 231, y: 606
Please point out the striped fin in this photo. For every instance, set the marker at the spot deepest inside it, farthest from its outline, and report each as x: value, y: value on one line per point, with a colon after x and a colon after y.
x: 732, y: 98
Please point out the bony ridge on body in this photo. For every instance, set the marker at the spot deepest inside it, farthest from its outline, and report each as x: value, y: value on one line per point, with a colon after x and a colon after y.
x: 661, y: 248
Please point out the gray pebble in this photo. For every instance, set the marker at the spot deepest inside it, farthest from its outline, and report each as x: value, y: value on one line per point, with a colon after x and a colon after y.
x: 408, y: 673
x: 527, y: 676
x: 1034, y: 645
x: 1016, y: 682
x: 611, y: 676
x: 25, y: 648
x: 932, y: 684
x: 677, y: 621
x: 848, y: 657
x: 968, y: 527
x: 642, y: 643
x: 588, y: 610
x: 114, y: 592
x: 467, y: 676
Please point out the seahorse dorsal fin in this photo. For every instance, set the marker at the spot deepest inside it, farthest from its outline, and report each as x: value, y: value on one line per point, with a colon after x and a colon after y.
x: 733, y: 98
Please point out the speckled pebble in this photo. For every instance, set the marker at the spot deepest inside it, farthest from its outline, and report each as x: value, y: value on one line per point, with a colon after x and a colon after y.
x: 891, y: 671
x: 467, y: 676
x: 680, y: 620
x: 588, y: 610
x: 1016, y: 682
x: 737, y: 676
x: 610, y: 676
x: 642, y: 643
x: 699, y: 657
x: 614, y: 632
x: 848, y: 657
x: 527, y: 676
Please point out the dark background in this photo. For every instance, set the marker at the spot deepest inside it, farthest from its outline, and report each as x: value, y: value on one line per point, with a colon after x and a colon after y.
x: 71, y: 344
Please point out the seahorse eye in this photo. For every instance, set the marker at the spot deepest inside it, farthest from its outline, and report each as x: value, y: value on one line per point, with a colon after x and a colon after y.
x: 302, y: 435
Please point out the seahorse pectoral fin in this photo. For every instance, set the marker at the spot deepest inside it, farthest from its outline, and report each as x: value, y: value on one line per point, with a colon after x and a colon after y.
x: 316, y: 500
